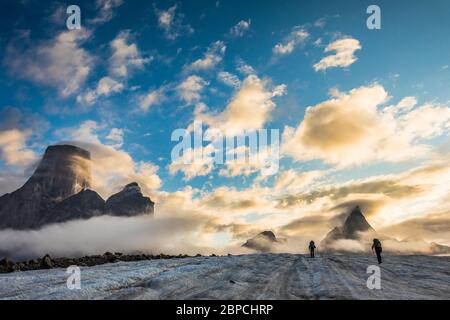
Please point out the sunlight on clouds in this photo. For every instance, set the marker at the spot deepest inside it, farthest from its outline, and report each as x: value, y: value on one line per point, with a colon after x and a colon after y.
x: 212, y: 58
x: 125, y: 56
x: 352, y: 129
x: 297, y: 36
x: 345, y: 54
x: 249, y: 109
x: 60, y: 62
x: 190, y: 88
x: 14, y: 150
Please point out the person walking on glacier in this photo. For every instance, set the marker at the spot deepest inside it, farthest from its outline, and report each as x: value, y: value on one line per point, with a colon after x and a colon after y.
x: 312, y: 247
x: 378, y: 249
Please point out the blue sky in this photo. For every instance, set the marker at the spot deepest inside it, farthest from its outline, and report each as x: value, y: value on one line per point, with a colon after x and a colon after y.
x: 51, y: 89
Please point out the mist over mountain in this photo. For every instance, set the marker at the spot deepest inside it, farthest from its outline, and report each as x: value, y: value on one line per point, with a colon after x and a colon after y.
x: 60, y: 190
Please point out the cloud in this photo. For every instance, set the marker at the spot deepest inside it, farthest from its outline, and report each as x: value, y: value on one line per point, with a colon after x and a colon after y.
x: 193, y: 163
x: 105, y: 87
x: 229, y: 79
x: 105, y: 10
x: 352, y: 129
x: 240, y: 28
x: 190, y: 88
x: 171, y: 235
x: 60, y: 63
x: 345, y: 54
x: 432, y: 227
x: 152, y: 98
x: 14, y: 150
x: 113, y: 167
x: 297, y: 36
x: 126, y: 56
x: 249, y: 109
x: 115, y: 138
x: 244, y: 68
x: 171, y: 23
x: 211, y: 59
x: 294, y: 181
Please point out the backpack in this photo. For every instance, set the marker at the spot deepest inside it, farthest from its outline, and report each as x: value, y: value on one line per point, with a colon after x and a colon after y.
x: 377, y: 243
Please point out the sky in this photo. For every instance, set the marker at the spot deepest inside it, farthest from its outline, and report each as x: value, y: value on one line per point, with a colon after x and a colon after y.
x: 363, y: 115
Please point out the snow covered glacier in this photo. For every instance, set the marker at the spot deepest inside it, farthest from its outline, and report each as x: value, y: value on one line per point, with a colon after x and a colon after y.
x: 257, y: 276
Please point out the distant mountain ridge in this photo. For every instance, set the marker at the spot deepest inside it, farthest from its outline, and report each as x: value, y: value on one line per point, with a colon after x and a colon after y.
x: 60, y: 190
x: 354, y: 226
x: 263, y: 242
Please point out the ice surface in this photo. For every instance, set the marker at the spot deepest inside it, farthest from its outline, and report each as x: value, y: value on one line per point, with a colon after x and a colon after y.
x: 257, y: 276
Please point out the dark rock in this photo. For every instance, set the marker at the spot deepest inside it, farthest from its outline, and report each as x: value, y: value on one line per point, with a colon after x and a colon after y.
x: 232, y: 282
x: 8, y: 265
x: 354, y: 227
x: 83, y: 205
x: 129, y: 202
x: 46, y: 262
x: 59, y: 191
x: 63, y: 171
x: 262, y: 242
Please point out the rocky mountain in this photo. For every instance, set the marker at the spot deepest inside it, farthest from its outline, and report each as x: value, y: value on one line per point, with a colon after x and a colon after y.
x: 354, y: 227
x: 263, y: 241
x: 60, y: 190
x: 83, y: 205
x: 129, y: 202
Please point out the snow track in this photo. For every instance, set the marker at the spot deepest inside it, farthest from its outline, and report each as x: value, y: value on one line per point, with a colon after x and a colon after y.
x: 258, y: 276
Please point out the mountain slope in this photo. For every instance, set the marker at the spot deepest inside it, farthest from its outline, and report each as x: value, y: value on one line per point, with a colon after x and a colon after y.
x: 59, y: 191
x: 354, y: 226
x: 63, y: 171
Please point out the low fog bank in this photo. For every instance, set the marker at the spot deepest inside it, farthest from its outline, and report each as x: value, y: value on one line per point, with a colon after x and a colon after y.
x: 172, y: 235
x: 169, y: 235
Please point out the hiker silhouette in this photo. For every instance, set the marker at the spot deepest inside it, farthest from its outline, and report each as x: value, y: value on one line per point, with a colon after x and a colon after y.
x: 312, y: 247
x: 378, y: 249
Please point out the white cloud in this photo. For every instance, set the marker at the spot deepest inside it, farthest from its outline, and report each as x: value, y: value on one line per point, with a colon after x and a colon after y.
x: 193, y: 163
x: 112, y: 168
x: 240, y: 28
x: 297, y: 36
x: 106, y: 10
x: 105, y: 87
x: 60, y: 63
x: 171, y: 23
x: 244, y: 68
x: 212, y: 58
x: 152, y: 98
x: 115, y: 138
x: 229, y: 79
x: 345, y: 54
x: 14, y: 150
x: 294, y: 181
x: 190, y: 88
x: 249, y: 109
x: 125, y: 56
x: 351, y: 129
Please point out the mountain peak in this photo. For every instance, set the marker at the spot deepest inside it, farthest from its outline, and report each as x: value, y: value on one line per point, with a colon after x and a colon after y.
x: 354, y: 226
x: 262, y: 242
x: 60, y: 190
x: 355, y: 222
